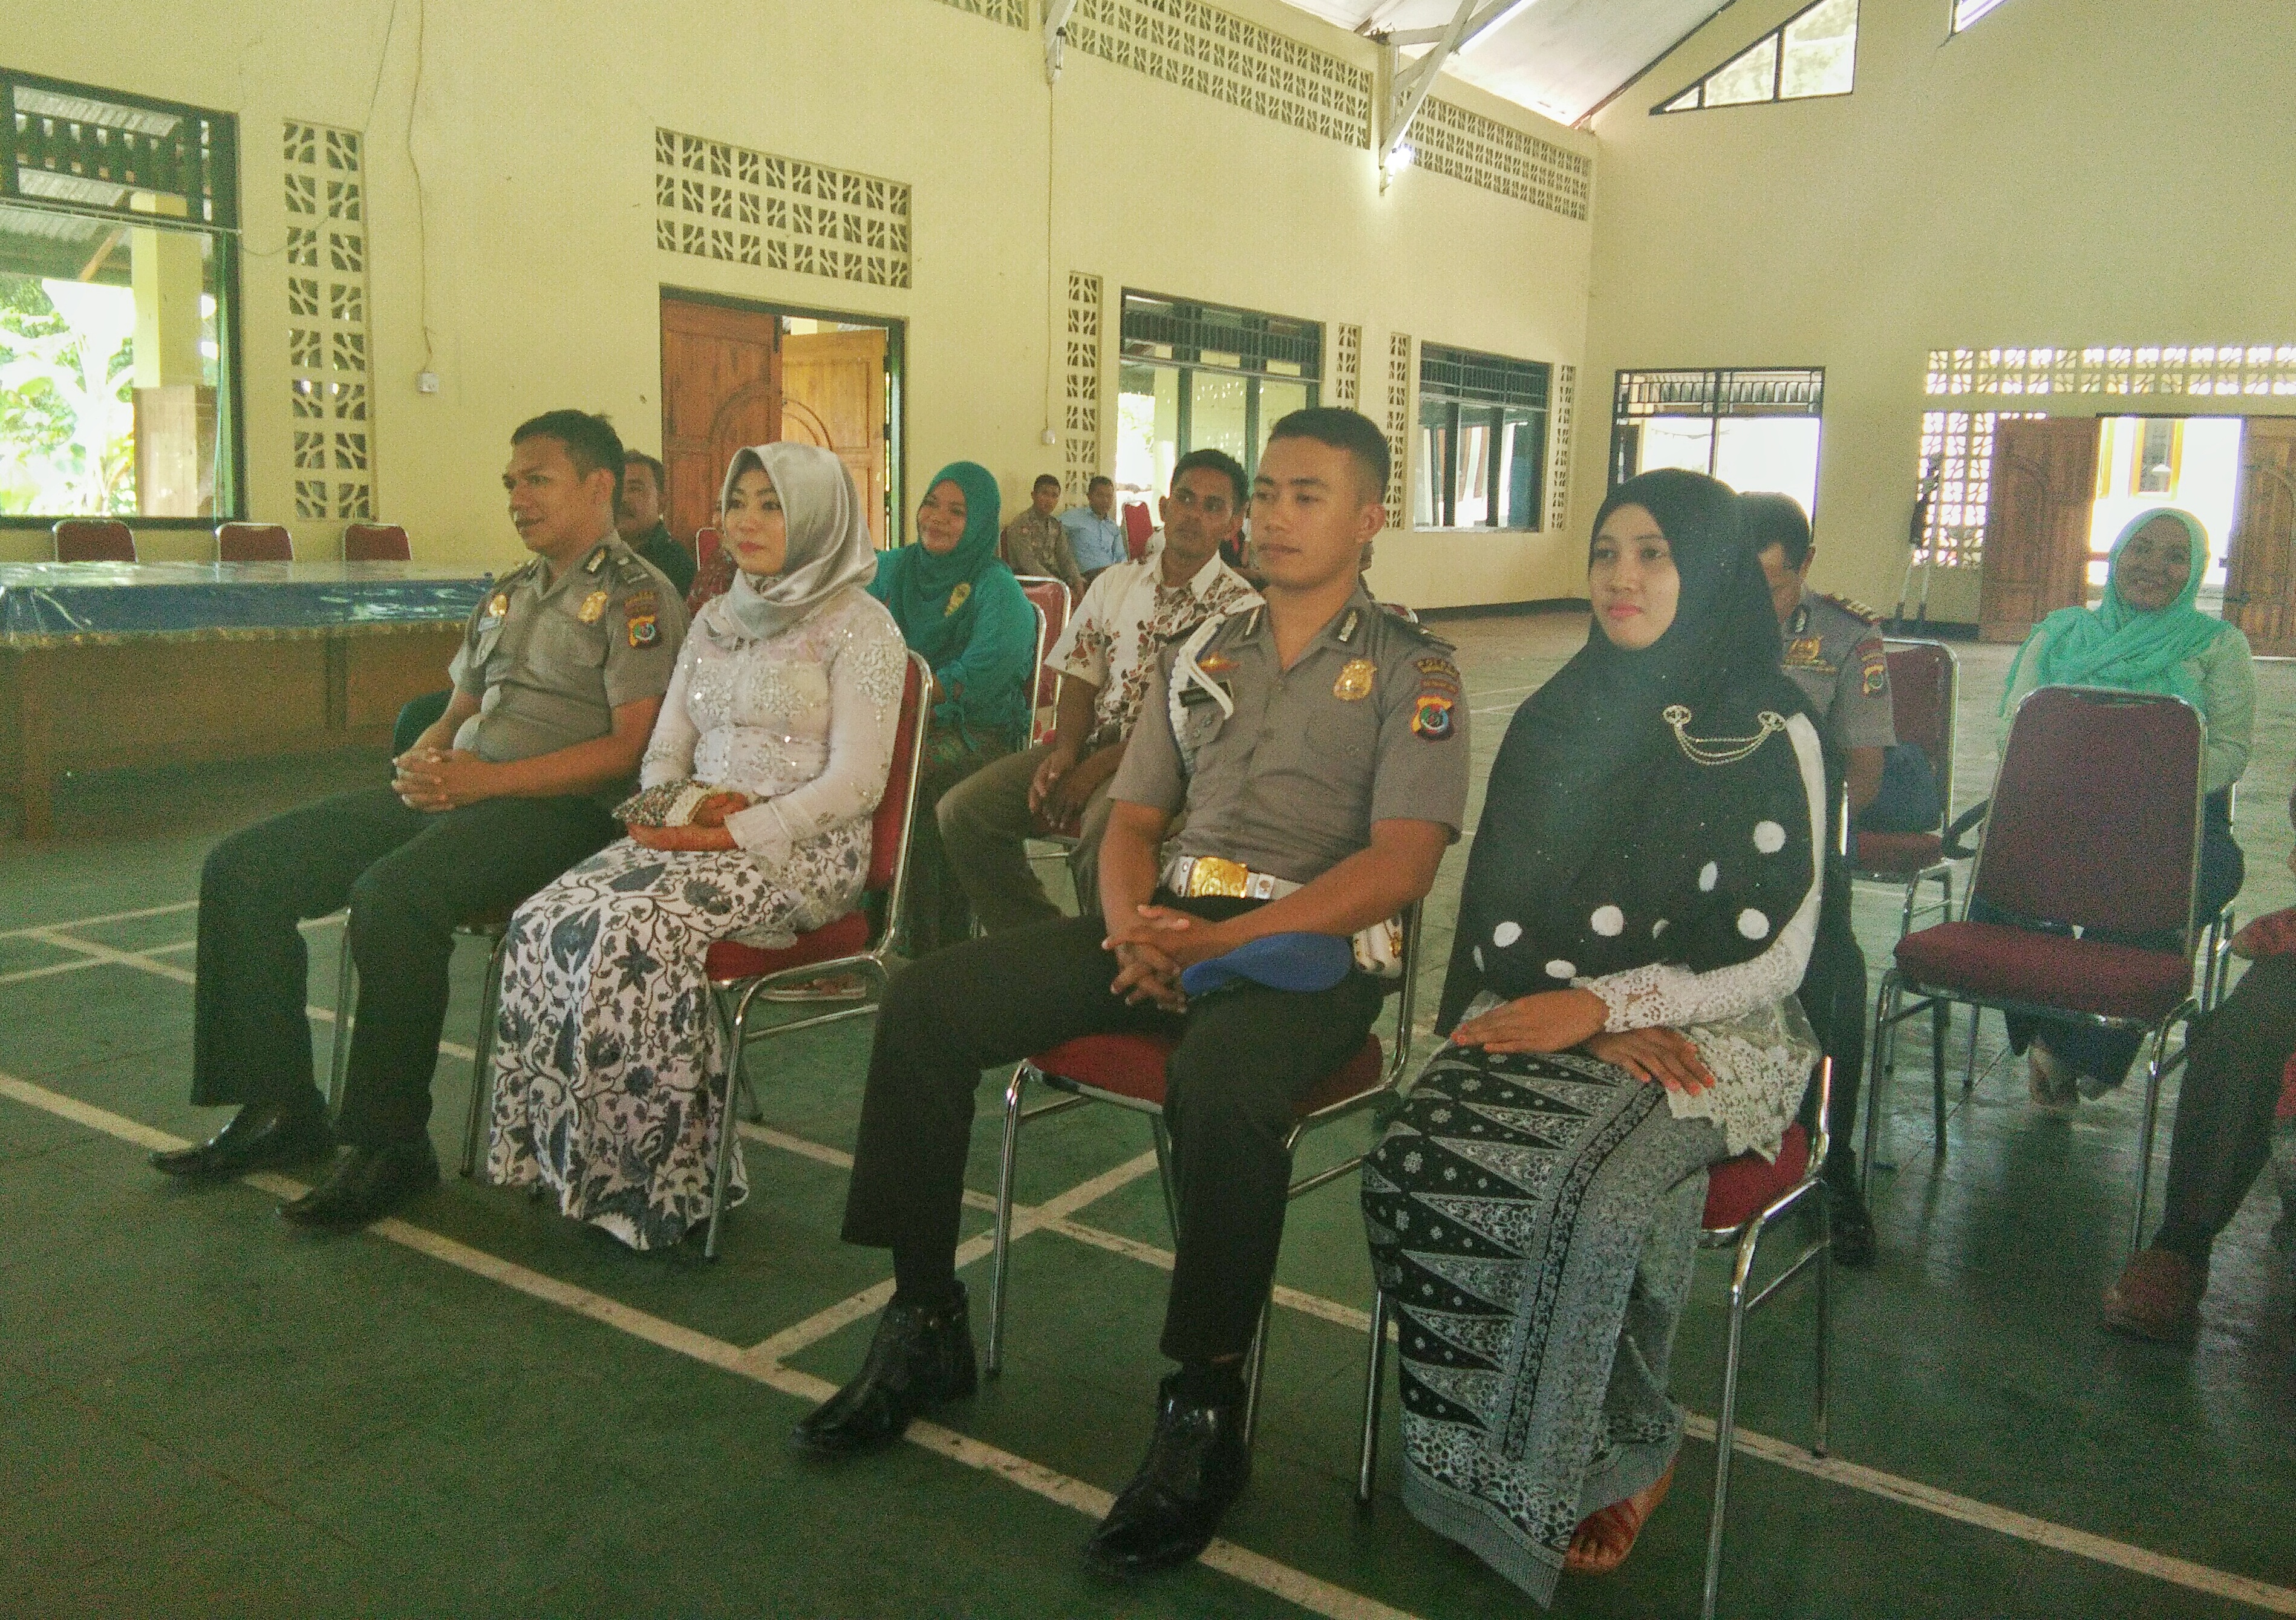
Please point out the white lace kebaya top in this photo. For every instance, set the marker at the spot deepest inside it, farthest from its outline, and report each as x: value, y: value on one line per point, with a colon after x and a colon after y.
x: 802, y: 722
x: 1748, y: 1029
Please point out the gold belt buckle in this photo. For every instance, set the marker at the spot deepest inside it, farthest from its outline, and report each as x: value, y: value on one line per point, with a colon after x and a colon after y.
x: 1210, y: 875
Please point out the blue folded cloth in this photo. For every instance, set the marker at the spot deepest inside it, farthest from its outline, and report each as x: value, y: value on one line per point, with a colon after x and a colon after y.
x: 1281, y: 961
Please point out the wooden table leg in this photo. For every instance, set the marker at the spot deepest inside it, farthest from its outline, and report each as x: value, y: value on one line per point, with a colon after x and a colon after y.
x: 32, y: 741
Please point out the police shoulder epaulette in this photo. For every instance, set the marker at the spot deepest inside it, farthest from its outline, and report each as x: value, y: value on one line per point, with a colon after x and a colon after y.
x: 1417, y: 632
x: 1858, y: 608
x: 632, y: 574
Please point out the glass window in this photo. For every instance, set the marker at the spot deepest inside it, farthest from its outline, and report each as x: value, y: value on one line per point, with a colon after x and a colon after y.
x: 1202, y: 376
x: 1751, y: 429
x: 1482, y: 440
x: 1966, y: 12
x: 116, y: 297
x: 1814, y: 53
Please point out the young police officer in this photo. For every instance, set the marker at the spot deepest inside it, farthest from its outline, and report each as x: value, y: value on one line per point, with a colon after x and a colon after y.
x: 1318, y: 746
x: 561, y: 673
x: 1833, y: 653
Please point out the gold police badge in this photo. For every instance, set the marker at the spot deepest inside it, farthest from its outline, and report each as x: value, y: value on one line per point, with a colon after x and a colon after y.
x: 592, y: 608
x: 1355, y: 680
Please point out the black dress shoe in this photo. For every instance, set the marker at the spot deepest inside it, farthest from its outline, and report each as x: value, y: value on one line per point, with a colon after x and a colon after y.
x: 1197, y: 1465
x: 366, y: 1184
x: 918, y: 1359
x: 261, y: 1136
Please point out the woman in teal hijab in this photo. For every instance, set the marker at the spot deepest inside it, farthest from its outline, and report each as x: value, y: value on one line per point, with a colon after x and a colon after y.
x: 2146, y: 636
x: 963, y: 610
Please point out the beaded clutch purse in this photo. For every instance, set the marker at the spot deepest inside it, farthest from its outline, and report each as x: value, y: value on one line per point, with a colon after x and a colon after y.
x: 674, y: 803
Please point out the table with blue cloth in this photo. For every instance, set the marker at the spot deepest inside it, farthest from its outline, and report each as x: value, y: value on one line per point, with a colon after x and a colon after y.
x: 112, y: 664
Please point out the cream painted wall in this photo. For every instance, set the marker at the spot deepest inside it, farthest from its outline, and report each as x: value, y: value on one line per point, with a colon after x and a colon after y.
x: 2064, y: 172
x: 536, y: 149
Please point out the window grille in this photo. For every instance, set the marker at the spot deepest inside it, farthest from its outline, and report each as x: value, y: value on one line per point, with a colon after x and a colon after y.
x: 713, y: 199
x: 1483, y: 440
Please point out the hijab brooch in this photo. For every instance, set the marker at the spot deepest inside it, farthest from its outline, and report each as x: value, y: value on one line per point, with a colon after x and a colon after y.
x: 957, y: 598
x: 1721, y: 749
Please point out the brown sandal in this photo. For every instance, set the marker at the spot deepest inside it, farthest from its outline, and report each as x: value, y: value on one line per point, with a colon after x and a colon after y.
x: 1605, y: 1536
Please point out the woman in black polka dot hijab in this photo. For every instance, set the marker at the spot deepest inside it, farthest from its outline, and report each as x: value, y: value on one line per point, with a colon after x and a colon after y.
x: 1637, y: 913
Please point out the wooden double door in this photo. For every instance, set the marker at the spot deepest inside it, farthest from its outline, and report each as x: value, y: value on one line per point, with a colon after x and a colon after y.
x: 2036, y: 528
x: 732, y: 377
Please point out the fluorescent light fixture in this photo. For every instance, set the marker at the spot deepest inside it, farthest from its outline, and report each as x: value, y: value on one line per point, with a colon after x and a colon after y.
x: 1500, y: 21
x: 1401, y: 157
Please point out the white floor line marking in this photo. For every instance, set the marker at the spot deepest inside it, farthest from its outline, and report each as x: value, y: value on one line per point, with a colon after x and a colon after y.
x: 1294, y: 1585
x: 77, y: 965
x: 100, y: 954
x: 1026, y: 1218
x: 108, y: 917
x: 1051, y: 1215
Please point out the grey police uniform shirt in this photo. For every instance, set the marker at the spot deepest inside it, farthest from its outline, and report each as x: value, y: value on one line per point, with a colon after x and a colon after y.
x: 551, y: 660
x: 1369, y: 725
x: 1834, y: 653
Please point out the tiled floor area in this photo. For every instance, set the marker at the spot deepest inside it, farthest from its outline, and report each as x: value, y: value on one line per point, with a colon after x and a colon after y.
x: 480, y: 1409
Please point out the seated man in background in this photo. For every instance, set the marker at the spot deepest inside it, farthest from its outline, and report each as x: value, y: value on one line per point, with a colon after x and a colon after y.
x: 555, y: 689
x: 2239, y: 1090
x: 1106, y: 656
x: 638, y: 520
x: 1035, y: 544
x: 1833, y: 653
x: 1315, y: 748
x: 1095, y: 538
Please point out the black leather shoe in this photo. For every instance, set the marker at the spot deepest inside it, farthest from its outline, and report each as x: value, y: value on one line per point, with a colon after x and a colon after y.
x: 1197, y: 1465
x: 1852, y: 1224
x: 366, y: 1184
x: 261, y: 1136
x: 918, y: 1359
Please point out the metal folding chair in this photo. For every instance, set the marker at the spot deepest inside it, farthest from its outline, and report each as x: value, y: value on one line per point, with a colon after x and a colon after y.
x: 1053, y: 604
x: 859, y: 943
x: 254, y: 543
x: 375, y: 543
x: 491, y: 928
x: 2075, y: 838
x: 1925, y: 694
x: 94, y: 539
x: 1127, y: 1070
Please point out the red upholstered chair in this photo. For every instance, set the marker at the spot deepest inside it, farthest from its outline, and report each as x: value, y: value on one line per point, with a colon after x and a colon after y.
x: 1924, y: 696
x: 94, y: 539
x: 713, y: 573
x: 254, y: 543
x: 1745, y: 1197
x: 858, y: 942
x: 1053, y: 607
x: 1127, y: 1070
x: 2078, y: 837
x: 376, y: 543
x: 1139, y: 529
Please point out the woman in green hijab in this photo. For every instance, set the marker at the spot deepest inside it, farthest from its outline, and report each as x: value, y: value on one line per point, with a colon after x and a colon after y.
x: 2146, y: 636
x: 963, y: 610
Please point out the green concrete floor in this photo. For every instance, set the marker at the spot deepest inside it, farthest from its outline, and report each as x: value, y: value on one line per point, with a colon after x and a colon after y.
x: 486, y: 1410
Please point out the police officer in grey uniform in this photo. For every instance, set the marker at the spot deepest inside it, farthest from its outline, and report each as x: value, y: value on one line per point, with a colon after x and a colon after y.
x: 1833, y: 652
x: 1318, y: 746
x: 561, y: 673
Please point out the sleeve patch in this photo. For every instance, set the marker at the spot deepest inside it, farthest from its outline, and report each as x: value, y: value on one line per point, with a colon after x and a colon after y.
x: 1430, y: 718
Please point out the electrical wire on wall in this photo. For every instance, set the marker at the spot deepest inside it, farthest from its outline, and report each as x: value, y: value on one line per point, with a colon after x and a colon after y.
x: 422, y: 212
x: 1053, y: 303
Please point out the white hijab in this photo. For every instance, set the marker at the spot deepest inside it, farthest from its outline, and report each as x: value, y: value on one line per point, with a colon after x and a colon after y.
x: 829, y: 543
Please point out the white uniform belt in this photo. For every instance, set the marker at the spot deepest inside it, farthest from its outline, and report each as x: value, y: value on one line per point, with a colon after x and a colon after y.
x: 1193, y: 877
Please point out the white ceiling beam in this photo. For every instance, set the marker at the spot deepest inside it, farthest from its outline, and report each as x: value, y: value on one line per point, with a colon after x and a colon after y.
x: 1057, y: 13
x: 1408, y: 85
x: 1492, y: 13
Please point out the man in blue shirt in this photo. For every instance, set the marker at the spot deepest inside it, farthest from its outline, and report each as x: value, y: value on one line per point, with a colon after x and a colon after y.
x: 1095, y: 535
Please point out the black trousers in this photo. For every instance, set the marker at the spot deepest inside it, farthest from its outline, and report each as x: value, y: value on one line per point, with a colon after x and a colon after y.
x: 1246, y: 1056
x: 1833, y: 997
x: 408, y: 877
x: 2224, y: 1109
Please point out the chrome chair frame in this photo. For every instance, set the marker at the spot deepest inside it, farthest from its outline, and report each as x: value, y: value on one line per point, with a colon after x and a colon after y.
x: 1387, y: 1088
x: 1039, y: 730
x: 734, y: 999
x: 1889, y: 1010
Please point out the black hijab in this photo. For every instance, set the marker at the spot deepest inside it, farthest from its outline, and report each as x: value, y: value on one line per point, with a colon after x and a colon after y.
x: 1603, y: 845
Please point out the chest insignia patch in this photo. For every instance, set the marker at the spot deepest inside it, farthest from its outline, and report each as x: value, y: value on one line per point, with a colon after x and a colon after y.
x: 1804, y: 652
x: 497, y: 605
x: 1430, y: 719
x: 957, y: 598
x: 1354, y: 683
x: 592, y: 608
x: 1215, y: 664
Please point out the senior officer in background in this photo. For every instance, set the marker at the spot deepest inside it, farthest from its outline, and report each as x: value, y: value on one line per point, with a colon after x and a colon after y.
x: 555, y: 688
x: 1833, y: 653
x: 1319, y: 747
